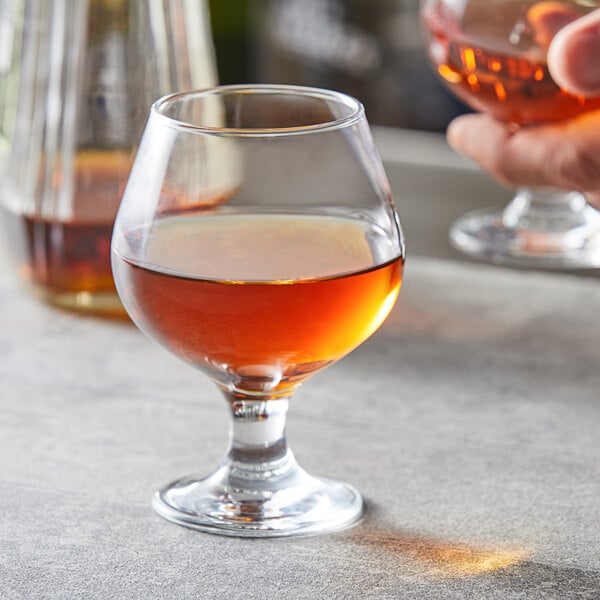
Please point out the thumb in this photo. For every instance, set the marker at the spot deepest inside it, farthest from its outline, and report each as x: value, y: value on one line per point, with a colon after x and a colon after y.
x: 574, y: 56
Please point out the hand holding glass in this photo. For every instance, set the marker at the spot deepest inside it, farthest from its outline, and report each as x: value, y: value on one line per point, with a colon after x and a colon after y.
x: 492, y: 55
x: 257, y: 240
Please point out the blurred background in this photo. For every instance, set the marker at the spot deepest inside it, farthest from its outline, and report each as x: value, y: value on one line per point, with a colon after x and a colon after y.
x: 370, y: 49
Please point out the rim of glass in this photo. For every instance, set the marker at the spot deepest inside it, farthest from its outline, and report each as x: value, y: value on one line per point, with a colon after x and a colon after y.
x: 356, y: 113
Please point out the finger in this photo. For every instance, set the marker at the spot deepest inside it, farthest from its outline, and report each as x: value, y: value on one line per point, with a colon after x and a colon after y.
x: 547, y: 18
x: 482, y: 139
x: 574, y: 56
x: 473, y: 135
x: 564, y: 156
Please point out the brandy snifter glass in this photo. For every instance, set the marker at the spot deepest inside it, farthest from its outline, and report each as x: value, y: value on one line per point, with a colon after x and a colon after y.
x: 492, y: 55
x: 257, y: 240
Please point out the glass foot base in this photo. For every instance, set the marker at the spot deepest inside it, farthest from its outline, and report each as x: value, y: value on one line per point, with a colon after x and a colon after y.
x: 486, y: 235
x: 103, y: 304
x: 304, y: 505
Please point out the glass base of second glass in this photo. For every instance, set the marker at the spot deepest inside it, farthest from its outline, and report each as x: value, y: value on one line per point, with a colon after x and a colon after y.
x: 224, y: 504
x: 93, y: 303
x: 538, y: 229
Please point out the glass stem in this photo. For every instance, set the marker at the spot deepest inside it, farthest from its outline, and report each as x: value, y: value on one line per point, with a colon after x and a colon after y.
x: 258, y: 449
x: 547, y: 210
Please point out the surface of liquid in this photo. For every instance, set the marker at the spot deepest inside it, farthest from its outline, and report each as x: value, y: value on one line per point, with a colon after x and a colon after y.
x: 260, y: 301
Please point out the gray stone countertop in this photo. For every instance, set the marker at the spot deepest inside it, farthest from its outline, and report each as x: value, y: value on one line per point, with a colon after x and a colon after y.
x: 470, y: 421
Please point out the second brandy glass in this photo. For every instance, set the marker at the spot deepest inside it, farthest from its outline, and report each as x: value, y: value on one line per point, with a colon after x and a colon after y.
x: 257, y: 240
x: 492, y: 55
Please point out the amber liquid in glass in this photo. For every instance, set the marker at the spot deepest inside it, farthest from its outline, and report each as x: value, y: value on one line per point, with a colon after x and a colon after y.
x: 512, y: 87
x: 259, y: 301
x: 67, y: 262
